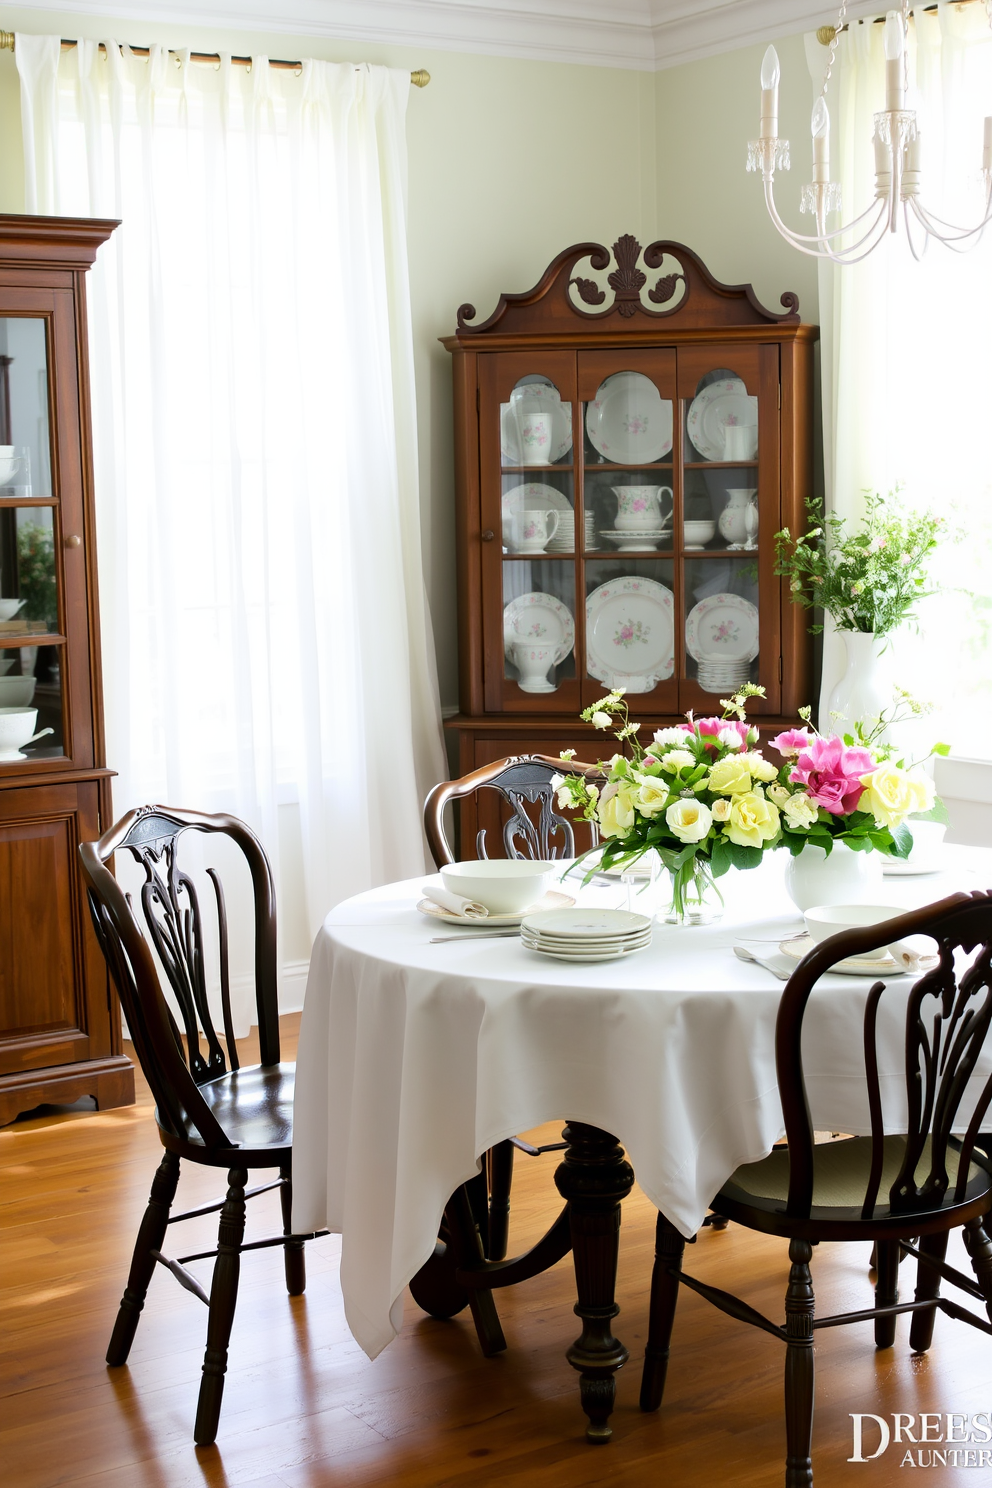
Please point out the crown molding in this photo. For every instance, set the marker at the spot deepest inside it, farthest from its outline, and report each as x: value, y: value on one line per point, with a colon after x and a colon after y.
x: 644, y: 35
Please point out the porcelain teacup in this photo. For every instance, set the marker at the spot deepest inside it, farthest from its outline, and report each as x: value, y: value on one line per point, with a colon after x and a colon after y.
x: 532, y: 530
x: 639, y: 507
x: 533, y: 664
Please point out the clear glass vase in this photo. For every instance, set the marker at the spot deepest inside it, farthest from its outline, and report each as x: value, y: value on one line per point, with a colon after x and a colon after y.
x: 695, y: 898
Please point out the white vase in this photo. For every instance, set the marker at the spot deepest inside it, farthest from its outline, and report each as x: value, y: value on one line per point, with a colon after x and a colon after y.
x: 865, y: 689
x: 845, y: 877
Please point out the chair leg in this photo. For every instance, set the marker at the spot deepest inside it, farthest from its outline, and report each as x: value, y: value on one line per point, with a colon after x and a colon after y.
x: 668, y: 1248
x: 151, y: 1235
x: 467, y: 1246
x: 887, y: 1258
x: 223, y: 1300
x: 799, y: 1305
x: 927, y: 1285
x: 979, y: 1247
x: 295, y: 1261
x: 500, y: 1180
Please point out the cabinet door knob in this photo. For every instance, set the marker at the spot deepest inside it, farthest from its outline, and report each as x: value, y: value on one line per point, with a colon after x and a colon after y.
x: 73, y: 540
x: 488, y: 535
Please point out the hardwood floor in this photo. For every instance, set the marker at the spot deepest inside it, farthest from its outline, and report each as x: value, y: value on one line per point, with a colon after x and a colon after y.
x: 304, y: 1407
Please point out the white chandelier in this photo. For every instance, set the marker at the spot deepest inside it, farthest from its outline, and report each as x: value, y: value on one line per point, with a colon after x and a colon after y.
x: 897, y: 162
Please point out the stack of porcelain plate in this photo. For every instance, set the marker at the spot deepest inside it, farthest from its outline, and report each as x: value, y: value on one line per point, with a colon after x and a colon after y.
x: 585, y: 934
x: 564, y: 538
x: 722, y: 676
x: 590, y: 524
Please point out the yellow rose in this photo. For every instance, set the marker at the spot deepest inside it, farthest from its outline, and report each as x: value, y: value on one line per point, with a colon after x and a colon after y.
x: 760, y: 768
x: 779, y: 794
x: 800, y: 811
x: 652, y: 793
x: 753, y: 820
x: 730, y: 776
x: 677, y: 759
x: 721, y: 810
x: 616, y: 810
x: 892, y: 794
x: 689, y: 820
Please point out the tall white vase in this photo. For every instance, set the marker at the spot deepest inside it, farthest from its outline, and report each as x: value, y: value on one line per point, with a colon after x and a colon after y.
x: 865, y: 689
x: 845, y: 877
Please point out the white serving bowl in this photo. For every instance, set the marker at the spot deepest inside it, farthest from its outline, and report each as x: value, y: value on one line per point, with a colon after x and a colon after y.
x: 16, y: 728
x: 9, y: 608
x: 17, y: 692
x: 698, y: 533
x: 824, y: 920
x: 503, y: 885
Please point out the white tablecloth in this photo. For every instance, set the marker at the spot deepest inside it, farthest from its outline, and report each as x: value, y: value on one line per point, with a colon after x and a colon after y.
x: 416, y: 1058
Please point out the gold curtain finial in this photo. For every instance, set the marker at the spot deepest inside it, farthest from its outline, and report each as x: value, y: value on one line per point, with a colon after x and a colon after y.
x: 6, y: 41
x: 420, y: 78
x: 826, y: 34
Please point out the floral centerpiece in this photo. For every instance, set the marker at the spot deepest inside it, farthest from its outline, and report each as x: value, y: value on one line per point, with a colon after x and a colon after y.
x: 704, y: 799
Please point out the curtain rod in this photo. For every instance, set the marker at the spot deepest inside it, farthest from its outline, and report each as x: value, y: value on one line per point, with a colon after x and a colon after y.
x: 826, y: 34
x: 419, y: 78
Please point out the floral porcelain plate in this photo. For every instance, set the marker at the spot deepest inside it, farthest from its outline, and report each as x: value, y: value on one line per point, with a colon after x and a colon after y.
x: 722, y: 403
x: 630, y: 633
x: 541, y: 619
x: 629, y: 423
x: 722, y: 628
x: 534, y: 397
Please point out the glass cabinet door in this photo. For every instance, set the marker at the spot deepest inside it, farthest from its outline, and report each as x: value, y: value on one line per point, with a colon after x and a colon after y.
x: 32, y: 647
x: 729, y: 612
x: 530, y: 531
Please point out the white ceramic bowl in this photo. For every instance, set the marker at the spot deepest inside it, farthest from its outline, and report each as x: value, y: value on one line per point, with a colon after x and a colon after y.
x: 17, y: 726
x: 503, y: 885
x: 9, y: 608
x: 17, y: 692
x: 698, y: 533
x: 825, y: 920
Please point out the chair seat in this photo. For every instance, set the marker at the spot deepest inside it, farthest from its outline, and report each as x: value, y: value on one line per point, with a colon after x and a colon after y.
x: 253, y: 1104
x: 840, y: 1175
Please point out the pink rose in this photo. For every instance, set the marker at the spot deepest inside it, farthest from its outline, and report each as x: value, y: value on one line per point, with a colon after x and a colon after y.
x: 831, y: 772
x: 792, y: 741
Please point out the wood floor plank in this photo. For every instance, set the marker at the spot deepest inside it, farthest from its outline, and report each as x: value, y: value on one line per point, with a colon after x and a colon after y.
x: 305, y: 1408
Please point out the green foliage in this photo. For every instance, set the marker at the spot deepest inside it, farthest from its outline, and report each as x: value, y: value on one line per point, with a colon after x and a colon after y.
x: 869, y: 580
x: 36, y: 572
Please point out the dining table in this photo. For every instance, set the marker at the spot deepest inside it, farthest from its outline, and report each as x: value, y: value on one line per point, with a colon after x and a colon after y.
x: 416, y: 1058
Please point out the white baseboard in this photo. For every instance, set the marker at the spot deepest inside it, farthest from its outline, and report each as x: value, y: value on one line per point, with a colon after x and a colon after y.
x: 292, y: 986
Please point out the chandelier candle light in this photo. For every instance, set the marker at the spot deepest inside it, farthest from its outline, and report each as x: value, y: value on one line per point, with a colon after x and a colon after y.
x: 897, y: 162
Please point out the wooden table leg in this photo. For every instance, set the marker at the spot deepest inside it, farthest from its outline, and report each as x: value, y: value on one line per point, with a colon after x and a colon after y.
x: 593, y: 1178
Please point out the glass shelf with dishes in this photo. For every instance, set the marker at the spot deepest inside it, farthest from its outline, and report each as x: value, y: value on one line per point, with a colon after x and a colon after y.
x: 721, y: 622
x: 720, y: 509
x: 535, y: 425
x: 537, y: 518
x: 628, y: 422
x: 630, y: 627
x: 538, y: 624
x: 721, y: 421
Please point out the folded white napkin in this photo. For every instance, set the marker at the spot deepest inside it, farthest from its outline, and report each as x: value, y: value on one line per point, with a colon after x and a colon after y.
x: 910, y: 957
x: 470, y: 909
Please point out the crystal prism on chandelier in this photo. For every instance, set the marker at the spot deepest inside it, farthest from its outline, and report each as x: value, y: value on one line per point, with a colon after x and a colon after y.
x: 896, y: 142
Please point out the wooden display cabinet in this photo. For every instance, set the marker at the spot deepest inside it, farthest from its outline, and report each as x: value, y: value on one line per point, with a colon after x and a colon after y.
x: 666, y: 420
x: 60, y: 1032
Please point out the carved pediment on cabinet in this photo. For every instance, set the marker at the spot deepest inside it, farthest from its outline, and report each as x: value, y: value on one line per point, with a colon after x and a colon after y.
x: 626, y: 287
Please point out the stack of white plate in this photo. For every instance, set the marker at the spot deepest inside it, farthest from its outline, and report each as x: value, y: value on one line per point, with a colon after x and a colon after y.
x: 722, y: 676
x: 564, y: 538
x: 590, y: 525
x: 585, y: 934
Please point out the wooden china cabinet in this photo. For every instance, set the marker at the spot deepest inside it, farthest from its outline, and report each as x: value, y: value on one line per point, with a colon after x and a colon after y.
x: 60, y: 1034
x: 630, y: 434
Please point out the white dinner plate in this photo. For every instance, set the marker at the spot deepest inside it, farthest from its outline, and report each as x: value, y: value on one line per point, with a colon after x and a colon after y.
x: 906, y: 868
x: 630, y: 633
x: 722, y: 628
x: 724, y: 402
x: 862, y: 966
x: 538, y: 397
x: 629, y: 422
x: 540, y: 619
x: 587, y: 923
x: 551, y: 900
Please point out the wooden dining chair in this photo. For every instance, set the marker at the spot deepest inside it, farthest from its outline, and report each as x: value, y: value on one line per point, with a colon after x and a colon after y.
x: 889, y: 1189
x: 532, y: 827
x: 209, y: 1109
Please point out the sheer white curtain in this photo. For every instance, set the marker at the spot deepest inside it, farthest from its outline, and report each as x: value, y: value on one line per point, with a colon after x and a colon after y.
x: 906, y: 381
x: 265, y: 634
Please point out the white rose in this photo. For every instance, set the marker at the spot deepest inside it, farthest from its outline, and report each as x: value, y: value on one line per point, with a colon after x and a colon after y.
x: 730, y: 739
x: 677, y: 759
x: 800, y: 812
x: 652, y: 794
x: 779, y: 794
x: 722, y: 809
x: 665, y: 736
x: 689, y: 820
